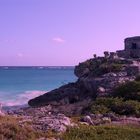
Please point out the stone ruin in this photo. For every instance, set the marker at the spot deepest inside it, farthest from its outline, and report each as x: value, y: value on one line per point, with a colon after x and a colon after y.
x: 131, y: 51
x: 132, y: 48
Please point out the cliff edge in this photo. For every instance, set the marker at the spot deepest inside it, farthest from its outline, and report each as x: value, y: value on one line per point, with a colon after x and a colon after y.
x: 97, y: 77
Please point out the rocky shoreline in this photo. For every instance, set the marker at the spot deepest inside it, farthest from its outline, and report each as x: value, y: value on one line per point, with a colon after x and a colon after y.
x: 45, y: 119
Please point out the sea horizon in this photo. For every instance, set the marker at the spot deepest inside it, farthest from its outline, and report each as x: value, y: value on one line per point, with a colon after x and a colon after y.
x: 45, y: 66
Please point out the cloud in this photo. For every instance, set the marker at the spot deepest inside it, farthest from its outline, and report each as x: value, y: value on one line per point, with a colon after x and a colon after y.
x: 20, y: 55
x: 12, y: 40
x: 7, y: 41
x: 58, y: 40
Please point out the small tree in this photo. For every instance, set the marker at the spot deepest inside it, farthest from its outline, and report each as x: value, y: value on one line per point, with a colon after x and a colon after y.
x: 94, y: 55
x: 106, y: 54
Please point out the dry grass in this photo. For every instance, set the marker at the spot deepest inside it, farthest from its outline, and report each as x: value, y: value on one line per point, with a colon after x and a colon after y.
x: 11, y: 130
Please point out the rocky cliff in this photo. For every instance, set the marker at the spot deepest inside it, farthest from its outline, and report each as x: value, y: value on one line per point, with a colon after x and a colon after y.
x: 97, y: 77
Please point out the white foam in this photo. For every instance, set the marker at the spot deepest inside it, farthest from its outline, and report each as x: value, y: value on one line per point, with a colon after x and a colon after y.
x: 23, y: 98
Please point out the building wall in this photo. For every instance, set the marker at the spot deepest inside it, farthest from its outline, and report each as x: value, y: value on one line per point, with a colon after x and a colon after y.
x: 121, y: 53
x: 130, y: 41
x: 132, y: 47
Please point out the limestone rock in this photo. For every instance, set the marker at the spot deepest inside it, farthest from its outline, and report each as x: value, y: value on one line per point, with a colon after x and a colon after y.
x: 101, y: 90
x: 1, y: 113
x: 106, y: 120
x: 87, y: 119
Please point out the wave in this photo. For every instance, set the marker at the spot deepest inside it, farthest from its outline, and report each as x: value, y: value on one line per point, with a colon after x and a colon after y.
x: 22, y: 98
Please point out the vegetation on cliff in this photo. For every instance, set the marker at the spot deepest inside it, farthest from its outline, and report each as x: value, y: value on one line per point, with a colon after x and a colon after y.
x: 128, y: 91
x: 115, y: 105
x: 124, y: 100
x: 99, y: 66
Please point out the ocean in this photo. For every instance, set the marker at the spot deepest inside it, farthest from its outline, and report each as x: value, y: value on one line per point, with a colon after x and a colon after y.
x: 19, y: 84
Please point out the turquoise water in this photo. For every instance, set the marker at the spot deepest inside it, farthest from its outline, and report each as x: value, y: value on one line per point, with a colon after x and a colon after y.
x: 19, y: 84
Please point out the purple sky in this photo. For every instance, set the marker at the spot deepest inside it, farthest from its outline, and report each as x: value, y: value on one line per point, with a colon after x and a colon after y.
x: 64, y: 32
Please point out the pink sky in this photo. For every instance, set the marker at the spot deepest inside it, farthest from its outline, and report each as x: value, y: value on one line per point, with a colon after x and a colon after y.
x: 64, y: 32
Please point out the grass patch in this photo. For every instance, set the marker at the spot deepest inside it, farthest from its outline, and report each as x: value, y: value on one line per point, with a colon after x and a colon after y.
x: 102, y: 133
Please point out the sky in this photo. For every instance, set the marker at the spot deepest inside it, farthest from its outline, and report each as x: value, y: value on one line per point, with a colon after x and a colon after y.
x: 64, y: 32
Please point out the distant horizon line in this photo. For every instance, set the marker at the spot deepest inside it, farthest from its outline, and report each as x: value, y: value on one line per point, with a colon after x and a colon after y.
x: 36, y: 66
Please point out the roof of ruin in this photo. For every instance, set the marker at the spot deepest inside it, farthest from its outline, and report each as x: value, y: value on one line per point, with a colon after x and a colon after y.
x: 135, y: 38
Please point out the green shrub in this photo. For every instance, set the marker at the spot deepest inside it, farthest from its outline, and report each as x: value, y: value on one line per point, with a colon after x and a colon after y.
x: 130, y: 90
x: 127, y: 108
x: 99, y: 66
x: 100, y: 109
x: 138, y: 78
x: 116, y: 105
x: 103, y: 105
x: 116, y: 67
x: 108, y: 102
x: 107, y: 67
x: 102, y: 133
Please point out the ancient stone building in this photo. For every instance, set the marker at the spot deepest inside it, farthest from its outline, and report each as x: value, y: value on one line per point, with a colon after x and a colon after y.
x: 132, y: 48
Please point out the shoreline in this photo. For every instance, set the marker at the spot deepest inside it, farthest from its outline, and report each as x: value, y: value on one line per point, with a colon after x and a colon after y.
x: 13, y: 108
x: 21, y: 99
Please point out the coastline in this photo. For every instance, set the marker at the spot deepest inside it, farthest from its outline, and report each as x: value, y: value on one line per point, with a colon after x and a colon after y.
x: 22, y: 98
x: 96, y: 99
x: 13, y: 108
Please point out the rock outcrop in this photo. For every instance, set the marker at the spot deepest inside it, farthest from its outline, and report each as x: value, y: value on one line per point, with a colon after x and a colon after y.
x: 96, y: 77
x: 67, y: 94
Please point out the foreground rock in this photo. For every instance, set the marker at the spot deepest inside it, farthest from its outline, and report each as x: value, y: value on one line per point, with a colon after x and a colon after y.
x: 42, y: 119
x: 109, y: 118
x: 1, y: 112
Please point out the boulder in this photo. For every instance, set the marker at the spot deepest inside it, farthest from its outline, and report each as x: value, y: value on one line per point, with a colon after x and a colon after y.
x: 53, y: 122
x: 1, y: 112
x: 106, y: 120
x: 87, y: 119
x: 112, y: 116
x: 101, y: 90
